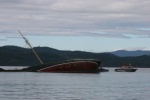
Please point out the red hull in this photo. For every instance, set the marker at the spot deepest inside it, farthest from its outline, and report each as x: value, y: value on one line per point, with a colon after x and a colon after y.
x: 73, y: 67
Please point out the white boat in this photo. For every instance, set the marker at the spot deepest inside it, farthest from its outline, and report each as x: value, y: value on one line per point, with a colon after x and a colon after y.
x: 126, y: 68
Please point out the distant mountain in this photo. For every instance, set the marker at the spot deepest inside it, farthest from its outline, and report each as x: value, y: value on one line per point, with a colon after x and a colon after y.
x: 125, y: 53
x: 17, y: 56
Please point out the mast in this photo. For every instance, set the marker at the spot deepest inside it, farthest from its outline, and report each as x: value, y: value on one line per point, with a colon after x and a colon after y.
x: 31, y: 47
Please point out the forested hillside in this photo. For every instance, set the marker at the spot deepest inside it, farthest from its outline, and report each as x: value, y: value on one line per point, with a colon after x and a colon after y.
x: 17, y: 56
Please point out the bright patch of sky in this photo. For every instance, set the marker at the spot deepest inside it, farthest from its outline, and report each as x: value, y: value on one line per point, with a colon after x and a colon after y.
x: 87, y: 25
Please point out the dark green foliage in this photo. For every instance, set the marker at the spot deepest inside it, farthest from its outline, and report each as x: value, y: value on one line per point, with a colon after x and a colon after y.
x: 17, y: 56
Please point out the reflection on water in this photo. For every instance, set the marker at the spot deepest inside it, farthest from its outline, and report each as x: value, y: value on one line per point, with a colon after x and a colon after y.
x: 67, y: 86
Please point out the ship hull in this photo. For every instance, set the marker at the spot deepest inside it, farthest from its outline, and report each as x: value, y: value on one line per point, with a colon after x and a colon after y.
x: 71, y: 66
x: 125, y: 70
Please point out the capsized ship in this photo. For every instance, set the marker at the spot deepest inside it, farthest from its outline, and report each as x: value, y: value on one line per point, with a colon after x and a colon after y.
x: 70, y: 66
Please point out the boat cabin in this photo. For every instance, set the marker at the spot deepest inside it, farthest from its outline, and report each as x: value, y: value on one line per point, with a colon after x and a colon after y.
x: 127, y: 66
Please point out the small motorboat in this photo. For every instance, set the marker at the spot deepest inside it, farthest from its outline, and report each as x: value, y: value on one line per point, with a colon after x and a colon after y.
x: 126, y: 68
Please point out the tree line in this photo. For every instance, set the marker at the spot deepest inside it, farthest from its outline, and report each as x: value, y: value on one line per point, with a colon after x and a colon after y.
x: 18, y: 56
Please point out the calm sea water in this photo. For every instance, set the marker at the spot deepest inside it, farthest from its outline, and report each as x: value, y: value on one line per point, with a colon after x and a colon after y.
x: 73, y: 86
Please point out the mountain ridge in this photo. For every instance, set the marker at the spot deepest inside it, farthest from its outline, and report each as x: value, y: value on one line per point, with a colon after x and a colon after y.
x: 18, y: 56
x: 126, y: 53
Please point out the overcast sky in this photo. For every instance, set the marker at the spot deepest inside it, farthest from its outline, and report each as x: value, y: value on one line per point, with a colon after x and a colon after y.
x: 87, y: 25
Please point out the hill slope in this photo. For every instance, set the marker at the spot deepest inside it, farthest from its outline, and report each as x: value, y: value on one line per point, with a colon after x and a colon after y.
x: 17, y: 56
x: 125, y: 53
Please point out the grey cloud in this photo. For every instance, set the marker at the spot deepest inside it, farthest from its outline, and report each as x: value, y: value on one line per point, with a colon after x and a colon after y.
x: 13, y: 37
x: 3, y: 39
x: 104, y: 18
